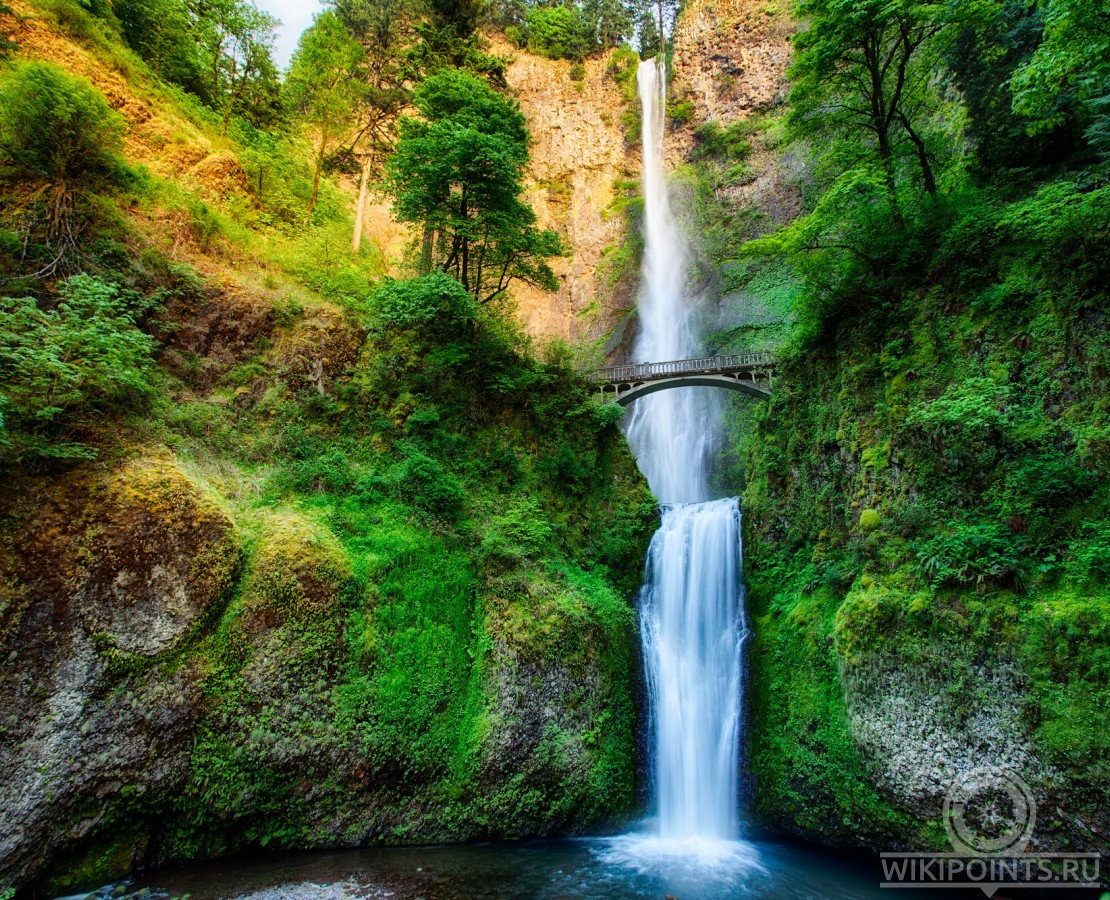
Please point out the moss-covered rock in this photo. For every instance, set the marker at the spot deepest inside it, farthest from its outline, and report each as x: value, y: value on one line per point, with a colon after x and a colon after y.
x: 922, y: 544
x: 105, y: 581
x: 158, y: 557
x: 298, y: 572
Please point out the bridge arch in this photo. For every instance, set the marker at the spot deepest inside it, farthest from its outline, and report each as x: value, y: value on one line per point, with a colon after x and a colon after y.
x: 748, y: 373
x: 626, y: 393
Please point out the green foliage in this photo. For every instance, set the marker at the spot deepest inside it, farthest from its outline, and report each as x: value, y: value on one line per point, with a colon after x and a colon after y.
x: 61, y: 364
x: 681, y: 111
x: 557, y: 32
x: 458, y: 172
x: 975, y: 406
x: 1089, y: 557
x: 860, y: 74
x: 1073, y: 57
x: 728, y: 141
x: 435, y: 306
x: 521, y: 532
x: 982, y: 62
x: 323, y: 85
x: 420, y: 480
x: 161, y: 32
x: 235, y: 40
x: 972, y: 554
x: 810, y: 776
x: 58, y: 129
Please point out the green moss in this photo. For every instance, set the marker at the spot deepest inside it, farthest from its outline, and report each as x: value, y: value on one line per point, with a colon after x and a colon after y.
x: 809, y: 777
x: 91, y: 863
x: 980, y: 520
x: 869, y: 519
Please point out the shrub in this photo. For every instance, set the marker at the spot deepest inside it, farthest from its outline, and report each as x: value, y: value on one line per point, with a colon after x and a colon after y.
x: 577, y: 72
x: 681, y: 112
x: 56, y: 127
x: 730, y: 142
x: 522, y: 532
x: 436, y: 302
x: 1089, y: 561
x: 86, y: 353
x: 420, y: 480
x: 974, y: 406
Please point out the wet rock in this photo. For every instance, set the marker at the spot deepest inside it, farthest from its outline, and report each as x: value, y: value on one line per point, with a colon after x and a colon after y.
x: 99, y: 575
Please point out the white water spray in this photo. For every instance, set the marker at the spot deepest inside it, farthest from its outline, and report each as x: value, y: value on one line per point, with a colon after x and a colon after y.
x: 692, y: 601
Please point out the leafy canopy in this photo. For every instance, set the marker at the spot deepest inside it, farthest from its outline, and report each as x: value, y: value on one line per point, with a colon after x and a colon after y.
x: 458, y: 172
x: 863, y: 69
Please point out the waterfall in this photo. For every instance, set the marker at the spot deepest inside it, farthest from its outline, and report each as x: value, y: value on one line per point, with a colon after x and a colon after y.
x: 691, y: 605
x: 674, y: 433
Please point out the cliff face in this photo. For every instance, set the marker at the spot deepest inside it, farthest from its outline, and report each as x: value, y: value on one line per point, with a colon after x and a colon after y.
x: 579, y: 155
x: 731, y: 56
x: 730, y: 64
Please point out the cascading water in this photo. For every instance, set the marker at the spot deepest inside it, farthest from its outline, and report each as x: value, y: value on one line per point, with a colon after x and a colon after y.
x: 691, y: 604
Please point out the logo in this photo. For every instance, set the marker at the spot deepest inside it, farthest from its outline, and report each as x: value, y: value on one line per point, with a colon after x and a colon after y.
x: 989, y: 813
x: 990, y: 816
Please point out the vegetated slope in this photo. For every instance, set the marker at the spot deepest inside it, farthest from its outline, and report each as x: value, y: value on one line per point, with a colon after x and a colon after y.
x: 926, y: 504
x: 286, y: 562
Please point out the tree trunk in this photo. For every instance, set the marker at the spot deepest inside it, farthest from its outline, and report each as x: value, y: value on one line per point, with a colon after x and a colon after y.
x: 922, y: 159
x: 360, y: 213
x: 426, y: 250
x: 465, y: 246
x: 886, y: 157
x: 316, y: 178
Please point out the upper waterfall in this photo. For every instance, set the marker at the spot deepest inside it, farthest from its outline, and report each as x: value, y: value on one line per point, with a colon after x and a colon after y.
x: 671, y: 433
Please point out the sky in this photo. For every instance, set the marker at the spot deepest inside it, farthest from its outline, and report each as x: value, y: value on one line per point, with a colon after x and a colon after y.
x: 296, y: 16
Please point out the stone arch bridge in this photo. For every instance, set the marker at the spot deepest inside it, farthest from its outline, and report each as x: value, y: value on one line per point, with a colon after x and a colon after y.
x: 748, y: 373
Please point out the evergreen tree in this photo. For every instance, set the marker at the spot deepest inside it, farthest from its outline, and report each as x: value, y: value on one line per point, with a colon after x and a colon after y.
x: 457, y: 171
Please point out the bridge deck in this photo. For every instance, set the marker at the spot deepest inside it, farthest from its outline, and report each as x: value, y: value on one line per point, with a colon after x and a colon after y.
x: 709, y: 365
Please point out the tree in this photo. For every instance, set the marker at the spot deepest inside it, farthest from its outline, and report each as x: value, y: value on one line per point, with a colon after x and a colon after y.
x: 61, y: 139
x: 558, y: 32
x: 457, y: 171
x: 1073, y: 59
x: 654, y: 19
x: 325, y: 87
x: 162, y: 33
x: 385, y: 29
x: 609, y: 22
x: 237, y: 41
x: 865, y: 66
x: 647, y: 30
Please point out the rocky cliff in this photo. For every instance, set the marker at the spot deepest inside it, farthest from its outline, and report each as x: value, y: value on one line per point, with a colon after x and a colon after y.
x: 579, y: 157
x: 730, y: 62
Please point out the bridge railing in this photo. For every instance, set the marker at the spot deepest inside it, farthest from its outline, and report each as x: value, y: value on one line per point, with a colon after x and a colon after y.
x: 706, y: 365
